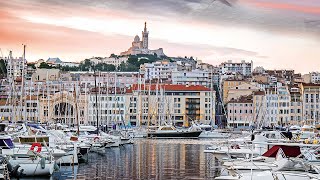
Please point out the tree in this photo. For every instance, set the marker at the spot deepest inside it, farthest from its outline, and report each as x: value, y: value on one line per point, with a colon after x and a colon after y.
x: 142, y: 61
x: 105, y: 67
x: 3, y: 67
x: 86, y: 65
x: 133, y: 60
x: 44, y: 65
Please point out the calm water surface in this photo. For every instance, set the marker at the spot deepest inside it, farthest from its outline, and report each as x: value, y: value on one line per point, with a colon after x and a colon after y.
x: 153, y: 159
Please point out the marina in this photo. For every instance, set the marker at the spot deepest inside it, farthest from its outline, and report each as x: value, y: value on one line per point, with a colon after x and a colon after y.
x: 272, y: 154
x: 159, y: 89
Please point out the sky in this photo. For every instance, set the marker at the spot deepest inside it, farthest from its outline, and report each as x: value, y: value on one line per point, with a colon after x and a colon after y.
x: 275, y: 34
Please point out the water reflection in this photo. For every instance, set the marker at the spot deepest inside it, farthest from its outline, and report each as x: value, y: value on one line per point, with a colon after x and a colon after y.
x: 153, y: 159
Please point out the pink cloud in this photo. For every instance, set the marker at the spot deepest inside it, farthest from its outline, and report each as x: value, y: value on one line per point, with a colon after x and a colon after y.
x: 286, y: 6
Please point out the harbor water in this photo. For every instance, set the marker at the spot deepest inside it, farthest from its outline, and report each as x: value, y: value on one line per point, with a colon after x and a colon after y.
x: 148, y: 159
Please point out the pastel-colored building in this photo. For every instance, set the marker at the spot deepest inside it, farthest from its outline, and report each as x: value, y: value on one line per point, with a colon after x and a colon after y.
x: 241, y: 112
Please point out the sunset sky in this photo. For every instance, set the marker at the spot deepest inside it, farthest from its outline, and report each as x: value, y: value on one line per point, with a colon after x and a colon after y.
x: 273, y: 33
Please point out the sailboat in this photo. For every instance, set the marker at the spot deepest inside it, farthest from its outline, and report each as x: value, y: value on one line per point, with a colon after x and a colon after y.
x: 168, y: 130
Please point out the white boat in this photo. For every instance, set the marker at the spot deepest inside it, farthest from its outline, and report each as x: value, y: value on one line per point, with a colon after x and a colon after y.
x: 307, y: 132
x: 270, y: 175
x: 209, y: 132
x: 239, y: 150
x: 32, y: 164
x: 214, y: 134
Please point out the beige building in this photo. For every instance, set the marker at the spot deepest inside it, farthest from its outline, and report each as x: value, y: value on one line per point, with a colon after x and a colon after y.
x: 229, y: 83
x: 310, y: 95
x: 46, y: 75
x: 295, y: 106
x: 261, y: 78
x: 177, y: 104
x: 241, y: 112
x: 244, y: 89
x: 61, y: 107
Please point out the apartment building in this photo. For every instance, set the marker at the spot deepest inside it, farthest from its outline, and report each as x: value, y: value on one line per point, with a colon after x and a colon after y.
x: 194, y: 77
x: 244, y: 68
x: 176, y: 104
x: 310, y: 94
x: 241, y: 112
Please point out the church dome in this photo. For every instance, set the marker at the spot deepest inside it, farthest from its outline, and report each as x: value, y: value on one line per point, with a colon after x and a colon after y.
x: 136, y: 38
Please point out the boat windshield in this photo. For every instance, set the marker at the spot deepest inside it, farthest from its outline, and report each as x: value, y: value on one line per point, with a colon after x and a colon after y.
x: 167, y: 128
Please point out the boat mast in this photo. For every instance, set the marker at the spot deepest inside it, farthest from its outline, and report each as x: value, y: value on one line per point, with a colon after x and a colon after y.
x: 11, y: 81
x: 95, y: 87
x: 149, y: 104
x: 76, y: 109
x: 22, y: 84
x: 108, y: 107
x: 211, y: 101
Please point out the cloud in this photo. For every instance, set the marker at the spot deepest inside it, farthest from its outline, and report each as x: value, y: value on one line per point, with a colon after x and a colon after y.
x: 281, y: 17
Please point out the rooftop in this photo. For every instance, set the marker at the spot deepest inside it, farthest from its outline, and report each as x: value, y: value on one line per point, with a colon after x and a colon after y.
x: 242, y: 99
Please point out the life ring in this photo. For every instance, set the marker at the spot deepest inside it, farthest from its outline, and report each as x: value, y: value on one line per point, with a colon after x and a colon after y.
x: 38, y: 145
x: 95, y: 139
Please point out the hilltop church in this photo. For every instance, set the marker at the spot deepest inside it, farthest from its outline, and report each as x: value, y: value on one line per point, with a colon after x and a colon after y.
x: 141, y: 47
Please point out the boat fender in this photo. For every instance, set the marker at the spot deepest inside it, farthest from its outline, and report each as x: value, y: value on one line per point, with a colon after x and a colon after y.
x: 315, y: 141
x: 38, y: 145
x: 43, y: 163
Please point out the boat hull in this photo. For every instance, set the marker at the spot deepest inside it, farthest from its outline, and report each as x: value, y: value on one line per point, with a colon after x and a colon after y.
x: 187, y: 134
x: 34, y: 168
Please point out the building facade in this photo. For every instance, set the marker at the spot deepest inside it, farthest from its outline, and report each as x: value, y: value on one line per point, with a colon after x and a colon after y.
x: 176, y: 104
x: 244, y: 68
x: 241, y: 112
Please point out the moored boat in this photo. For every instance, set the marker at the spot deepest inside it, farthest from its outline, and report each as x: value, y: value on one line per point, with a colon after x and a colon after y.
x: 172, y: 132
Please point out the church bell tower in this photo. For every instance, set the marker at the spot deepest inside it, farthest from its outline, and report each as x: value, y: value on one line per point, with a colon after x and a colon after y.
x: 145, y: 34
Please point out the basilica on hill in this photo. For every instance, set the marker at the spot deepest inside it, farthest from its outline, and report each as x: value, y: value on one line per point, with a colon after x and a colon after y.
x: 141, y: 46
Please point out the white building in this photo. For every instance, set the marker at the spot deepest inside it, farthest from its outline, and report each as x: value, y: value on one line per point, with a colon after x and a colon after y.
x: 244, y: 68
x: 70, y: 64
x: 15, y: 67
x: 160, y: 70
x: 194, y: 77
x: 113, y: 60
x: 110, y: 79
x: 312, y: 77
x: 272, y: 108
x: 111, y: 109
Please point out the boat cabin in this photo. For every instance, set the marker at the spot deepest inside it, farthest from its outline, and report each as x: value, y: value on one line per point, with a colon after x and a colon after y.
x: 6, y: 142
x: 33, y: 139
x: 166, y: 128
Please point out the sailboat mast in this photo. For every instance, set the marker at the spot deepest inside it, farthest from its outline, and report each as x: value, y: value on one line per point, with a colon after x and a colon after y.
x: 76, y: 109
x: 22, y: 83
x: 95, y: 87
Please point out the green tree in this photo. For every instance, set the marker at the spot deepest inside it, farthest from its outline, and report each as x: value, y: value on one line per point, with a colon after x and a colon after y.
x: 3, y: 67
x: 86, y: 65
x: 44, y: 65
